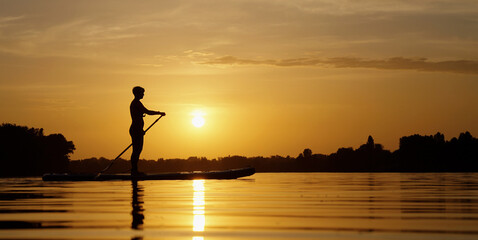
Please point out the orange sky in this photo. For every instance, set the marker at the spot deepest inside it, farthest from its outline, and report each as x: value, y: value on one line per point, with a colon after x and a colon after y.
x: 272, y: 77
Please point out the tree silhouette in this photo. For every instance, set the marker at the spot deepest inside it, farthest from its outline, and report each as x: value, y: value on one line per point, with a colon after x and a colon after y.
x: 307, y: 153
x: 27, y: 151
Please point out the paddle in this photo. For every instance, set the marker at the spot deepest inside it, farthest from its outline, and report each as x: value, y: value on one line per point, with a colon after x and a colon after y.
x: 126, y: 149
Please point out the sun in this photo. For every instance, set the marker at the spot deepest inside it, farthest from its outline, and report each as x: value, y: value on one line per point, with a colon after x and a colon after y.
x: 198, y: 119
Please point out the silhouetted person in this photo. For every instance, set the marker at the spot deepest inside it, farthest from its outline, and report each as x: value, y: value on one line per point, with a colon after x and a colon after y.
x: 137, y: 206
x: 136, y: 131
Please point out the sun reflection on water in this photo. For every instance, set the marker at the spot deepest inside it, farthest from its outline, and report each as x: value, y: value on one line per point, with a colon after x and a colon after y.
x: 199, y: 204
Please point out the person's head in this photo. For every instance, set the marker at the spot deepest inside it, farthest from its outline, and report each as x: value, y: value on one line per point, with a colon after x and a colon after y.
x: 138, y: 92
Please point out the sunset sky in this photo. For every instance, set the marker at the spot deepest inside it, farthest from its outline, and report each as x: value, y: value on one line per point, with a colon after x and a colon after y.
x: 269, y: 77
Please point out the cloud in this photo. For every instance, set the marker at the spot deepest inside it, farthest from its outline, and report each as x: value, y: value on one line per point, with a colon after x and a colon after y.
x: 396, y: 63
x: 342, y: 7
x: 5, y: 21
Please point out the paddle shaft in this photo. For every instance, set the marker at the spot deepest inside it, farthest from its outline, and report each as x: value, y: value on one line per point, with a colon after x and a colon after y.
x: 126, y: 149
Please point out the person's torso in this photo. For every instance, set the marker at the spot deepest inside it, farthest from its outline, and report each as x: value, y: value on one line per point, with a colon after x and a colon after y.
x: 136, y: 110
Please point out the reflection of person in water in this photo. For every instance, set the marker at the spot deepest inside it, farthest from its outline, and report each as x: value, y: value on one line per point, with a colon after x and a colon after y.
x: 136, y: 131
x: 137, y: 205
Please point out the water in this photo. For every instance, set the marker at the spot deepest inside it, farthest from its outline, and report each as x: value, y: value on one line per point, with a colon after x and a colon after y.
x: 262, y: 206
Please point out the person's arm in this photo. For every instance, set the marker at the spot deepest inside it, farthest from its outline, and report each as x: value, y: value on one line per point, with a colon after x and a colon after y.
x: 156, y: 113
x: 150, y: 112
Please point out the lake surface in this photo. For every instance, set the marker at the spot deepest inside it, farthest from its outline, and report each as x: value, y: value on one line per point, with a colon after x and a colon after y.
x: 262, y: 206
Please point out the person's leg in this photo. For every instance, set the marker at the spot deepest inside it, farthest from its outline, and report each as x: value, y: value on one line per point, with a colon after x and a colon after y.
x: 137, y: 148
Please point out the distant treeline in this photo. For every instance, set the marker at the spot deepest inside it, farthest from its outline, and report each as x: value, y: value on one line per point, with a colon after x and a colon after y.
x: 416, y: 154
x: 28, y: 152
